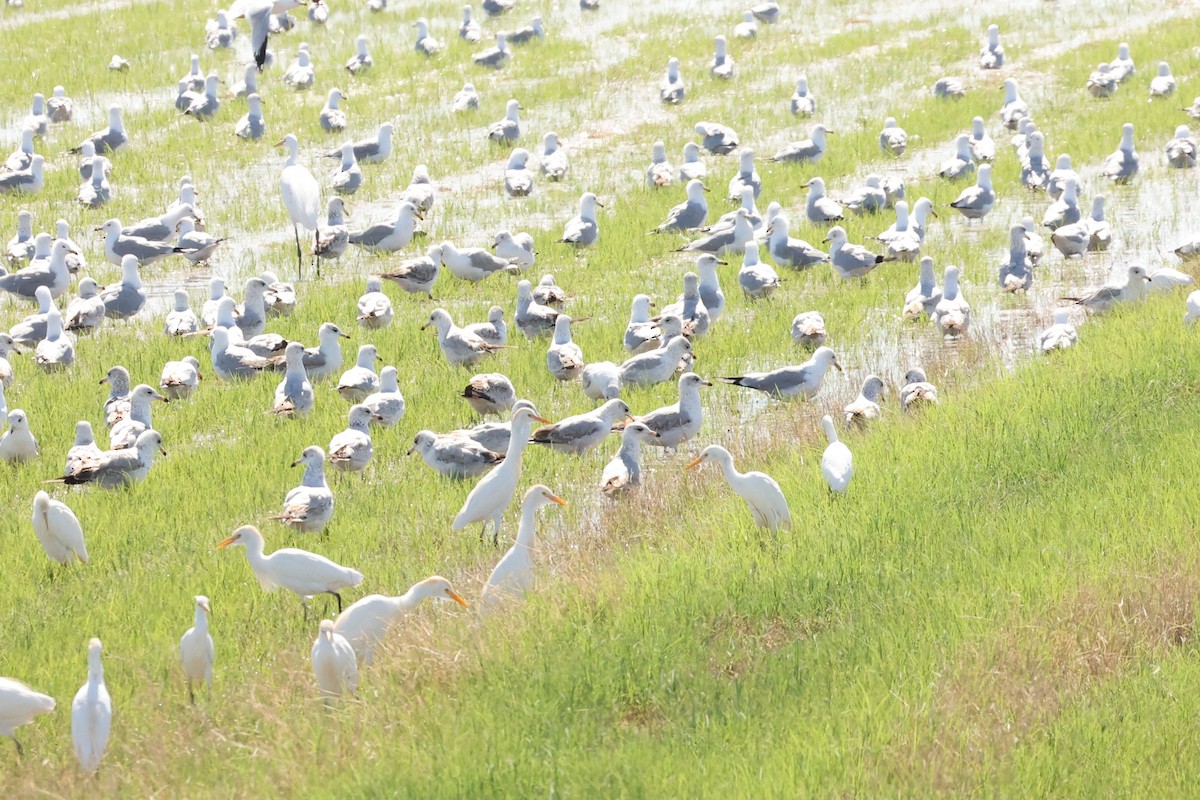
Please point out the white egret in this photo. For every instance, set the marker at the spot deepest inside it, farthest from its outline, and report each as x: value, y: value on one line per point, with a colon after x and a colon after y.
x: 301, y: 196
x: 761, y: 492
x: 196, y: 649
x: 91, y: 714
x: 837, y: 465
x: 366, y: 622
x: 299, y: 571
x: 333, y: 662
x: 513, y: 575
x: 58, y: 529
x: 18, y: 706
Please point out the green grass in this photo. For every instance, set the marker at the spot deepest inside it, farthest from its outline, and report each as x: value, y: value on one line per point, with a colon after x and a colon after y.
x: 951, y: 626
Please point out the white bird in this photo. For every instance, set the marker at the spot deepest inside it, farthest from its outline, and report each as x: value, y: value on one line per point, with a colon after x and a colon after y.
x: 1133, y: 289
x: 624, y: 471
x: 1122, y: 164
x: 125, y: 432
x: 983, y: 146
x: 992, y: 54
x: 490, y: 393
x: 1122, y: 66
x: 865, y: 408
x: 1193, y: 308
x: 489, y: 498
x: 301, y: 195
x: 374, y: 307
x: 680, y: 421
x: 747, y: 28
x: 58, y: 530
x: 19, y: 705
x: 301, y: 75
x: 299, y: 571
x: 309, y: 506
x: 1181, y: 150
x: 1162, y: 84
x: 91, y: 714
x: 555, y: 163
x: 332, y: 118
x: 760, y: 491
x: 672, y: 89
x: 459, y: 347
x: 1014, y: 109
x: 976, y: 201
x: 716, y: 138
x: 758, y: 280
x: 425, y: 44
x: 111, y: 469
x: 850, y: 260
x: 366, y: 623
x: 494, y: 330
x: 334, y: 663
x: 196, y: 649
x: 656, y: 366
x: 180, y: 379
x: 804, y: 102
x: 388, y: 237
x: 810, y: 150
x: 583, y: 230
x: 386, y: 403
x: 583, y: 432
x: 513, y: 575
x: 361, y: 61
x: 1060, y: 335
x: 837, y: 464
x: 518, y: 178
x: 1165, y: 279
x: 962, y: 163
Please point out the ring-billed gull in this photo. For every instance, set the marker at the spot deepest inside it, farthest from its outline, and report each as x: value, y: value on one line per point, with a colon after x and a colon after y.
x: 1016, y: 273
x: 1065, y: 210
x: 59, y: 107
x: 196, y: 246
x: 952, y: 314
x: 1035, y: 174
x: 747, y: 28
x: 365, y: 623
x: 417, y: 275
x: 518, y: 178
x: 180, y: 379
x: 512, y: 577
x: 491, y: 496
x: 371, y: 150
x: 111, y: 139
x: 710, y: 286
x: 721, y: 65
x: 660, y: 173
x: 672, y: 88
x: 1122, y: 66
x: 746, y: 175
x: 51, y: 275
x: 1059, y: 176
x: 582, y: 433
x: 473, y: 263
x: 819, y: 207
x: 494, y: 330
x: 83, y: 448
x: 624, y: 471
x: 351, y: 450
x: 1181, y: 149
x: 457, y: 345
x: 348, y: 176
x: 554, y: 164
x: 680, y: 421
x: 808, y: 329
x: 332, y: 118
x: 7, y: 346
x: 992, y: 54
x: 301, y: 75
x: 949, y: 89
x: 91, y: 714
x: 976, y: 201
x: 32, y: 329
x: 804, y: 102
x: 810, y: 150
x: 1122, y: 164
x: 601, y: 381
x: 420, y: 190
x: 757, y: 279
x: 583, y: 230
x: 716, y: 138
x: 760, y: 491
x: 1071, y: 240
x: 1162, y: 84
x: 374, y: 307
x: 865, y: 408
x: 196, y: 648
x: 641, y: 334
x: 490, y: 393
x: 309, y: 506
x: 205, y: 105
x: 111, y: 469
x: 564, y: 358
x: 1060, y: 335
x: 361, y: 61
x: 983, y: 146
x: 656, y: 366
x: 494, y: 57
x: 18, y: 443
x: 690, y: 306
x: 789, y: 383
x: 517, y: 249
x: 386, y: 403
x: 725, y: 241
x: 299, y: 571
x: 962, y: 163
x: 454, y: 457
x: 22, y: 157
x: 388, y: 237
x: 692, y: 167
x: 361, y: 379
x: 850, y: 260
x: 893, y: 140
x: 29, y: 180
x: 56, y: 351
x: 917, y: 391
x: 690, y: 214
x: 1102, y: 82
x: 125, y: 432
x: 1014, y: 109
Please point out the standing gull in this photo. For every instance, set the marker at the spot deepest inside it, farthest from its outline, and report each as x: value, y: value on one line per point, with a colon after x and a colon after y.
x: 804, y: 102
x: 757, y: 279
x: 554, y: 164
x: 308, y: 507
x: 583, y: 230
x: 924, y: 297
x: 952, y: 314
x: 387, y: 403
x: 680, y: 421
x: 580, y: 434
x: 1060, y: 335
x: 1132, y: 290
x: 716, y: 138
x: 360, y: 380
x: 564, y: 358
x: 992, y: 54
x: 490, y: 393
x: 660, y: 173
x: 388, y: 237
x: 624, y: 471
x: 374, y: 307
x: 691, y: 213
x: 180, y: 379
x: 976, y: 201
x: 809, y: 150
x: 508, y: 129
x: 721, y: 65
x: 332, y: 118
x: 865, y: 408
x: 850, y: 260
x: 893, y: 140
x: 672, y: 89
x: 1122, y: 165
x: 458, y: 346
x: 789, y: 383
x: 917, y: 391
x: 808, y: 329
x: 819, y: 208
x: 351, y: 450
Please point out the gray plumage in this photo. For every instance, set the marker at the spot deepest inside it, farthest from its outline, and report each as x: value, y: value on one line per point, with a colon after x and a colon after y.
x: 716, y: 138
x: 810, y: 150
x: 788, y: 252
x: 454, y: 456
x: 126, y: 297
x: 789, y: 383
x: 583, y: 432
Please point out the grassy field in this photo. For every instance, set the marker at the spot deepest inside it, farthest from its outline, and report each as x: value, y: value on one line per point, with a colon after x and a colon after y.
x: 1001, y: 605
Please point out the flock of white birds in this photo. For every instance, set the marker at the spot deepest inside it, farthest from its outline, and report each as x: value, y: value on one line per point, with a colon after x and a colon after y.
x: 659, y: 348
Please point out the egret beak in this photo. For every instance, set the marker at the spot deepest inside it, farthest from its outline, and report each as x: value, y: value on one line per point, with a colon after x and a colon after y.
x: 456, y: 597
x: 207, y: 610
x: 542, y: 420
x: 280, y: 143
x: 555, y: 498
x: 694, y: 464
x: 227, y: 543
